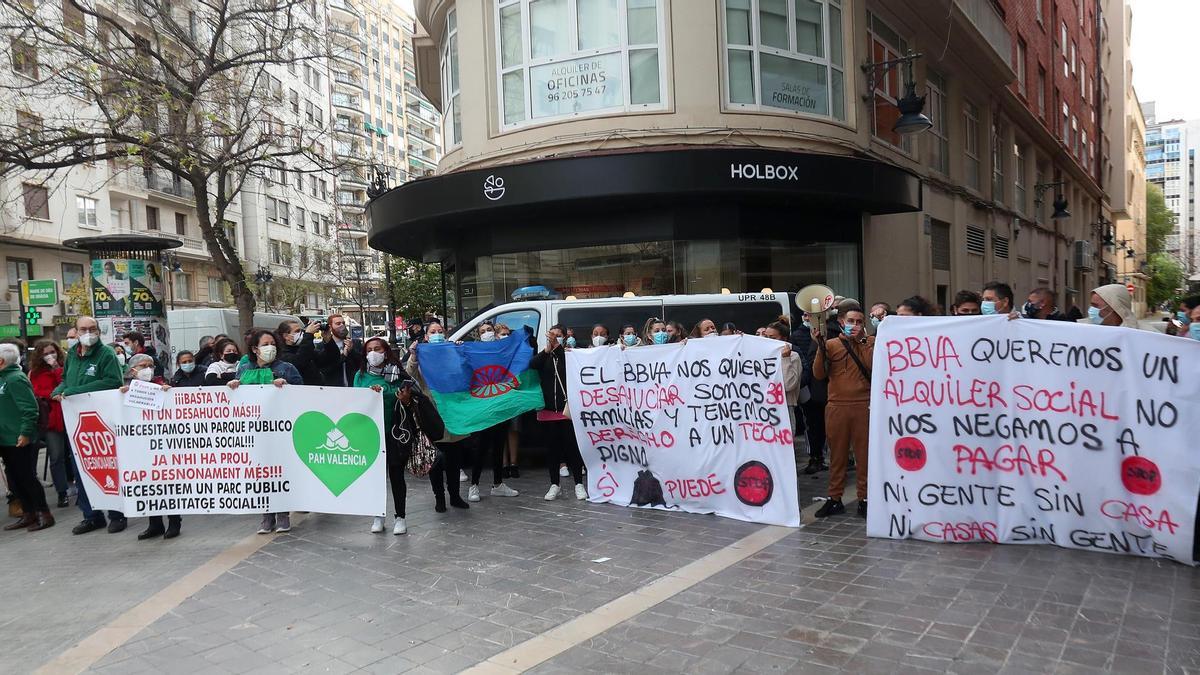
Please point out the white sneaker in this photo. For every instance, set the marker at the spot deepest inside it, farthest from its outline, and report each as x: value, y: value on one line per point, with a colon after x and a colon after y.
x: 401, y: 527
x: 473, y: 493
x: 564, y: 471
x: 377, y: 525
x: 580, y: 492
x: 503, y: 490
x: 552, y: 493
x: 462, y: 476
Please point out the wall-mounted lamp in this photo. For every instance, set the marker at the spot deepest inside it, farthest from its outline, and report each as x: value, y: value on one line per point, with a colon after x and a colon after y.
x: 912, y: 120
x: 1060, y: 202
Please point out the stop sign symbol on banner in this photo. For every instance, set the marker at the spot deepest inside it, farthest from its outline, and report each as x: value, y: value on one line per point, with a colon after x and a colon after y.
x: 97, y: 447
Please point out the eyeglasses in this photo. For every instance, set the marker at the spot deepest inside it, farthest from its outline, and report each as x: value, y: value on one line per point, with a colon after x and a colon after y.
x: 94, y: 331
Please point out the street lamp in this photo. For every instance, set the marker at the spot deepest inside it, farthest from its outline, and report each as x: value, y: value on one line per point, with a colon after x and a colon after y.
x: 1060, y: 202
x: 912, y: 120
x: 170, y: 262
x: 263, y: 277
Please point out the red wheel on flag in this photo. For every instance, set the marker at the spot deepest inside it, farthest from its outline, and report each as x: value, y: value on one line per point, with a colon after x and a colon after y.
x: 493, y: 380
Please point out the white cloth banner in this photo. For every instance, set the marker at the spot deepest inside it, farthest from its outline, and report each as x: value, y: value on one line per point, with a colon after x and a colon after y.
x: 1035, y: 432
x: 700, y: 427
x: 256, y: 449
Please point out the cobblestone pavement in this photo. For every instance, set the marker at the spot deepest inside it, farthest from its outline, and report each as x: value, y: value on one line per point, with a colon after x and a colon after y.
x: 464, y: 587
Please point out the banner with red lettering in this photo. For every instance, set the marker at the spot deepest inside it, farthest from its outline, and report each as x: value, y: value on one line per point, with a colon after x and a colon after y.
x: 701, y: 427
x: 1035, y: 432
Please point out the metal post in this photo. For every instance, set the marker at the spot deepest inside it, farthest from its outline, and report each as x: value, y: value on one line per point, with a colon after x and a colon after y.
x: 391, y: 300
x: 21, y: 308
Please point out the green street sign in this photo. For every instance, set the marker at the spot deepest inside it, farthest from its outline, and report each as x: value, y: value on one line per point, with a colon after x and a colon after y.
x: 32, y: 316
x: 14, y: 331
x: 39, y: 292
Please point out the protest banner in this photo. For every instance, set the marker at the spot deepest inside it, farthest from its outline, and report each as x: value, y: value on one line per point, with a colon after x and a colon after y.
x: 700, y: 427
x: 1034, y: 432
x: 145, y: 395
x: 254, y: 449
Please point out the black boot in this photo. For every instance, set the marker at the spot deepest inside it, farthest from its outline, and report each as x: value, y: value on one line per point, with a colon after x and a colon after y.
x: 173, y: 523
x: 154, y: 528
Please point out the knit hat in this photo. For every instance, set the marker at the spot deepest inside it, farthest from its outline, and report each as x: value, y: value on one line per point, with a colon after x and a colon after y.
x: 1117, y: 297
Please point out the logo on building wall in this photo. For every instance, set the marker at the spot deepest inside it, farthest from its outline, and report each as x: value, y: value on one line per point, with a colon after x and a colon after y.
x: 493, y: 187
x: 764, y: 172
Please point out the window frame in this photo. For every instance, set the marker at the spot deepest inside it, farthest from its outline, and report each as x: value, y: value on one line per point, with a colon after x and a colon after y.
x: 907, y: 144
x: 971, y: 121
x: 82, y: 209
x: 527, y: 63
x: 938, y: 114
x: 449, y: 95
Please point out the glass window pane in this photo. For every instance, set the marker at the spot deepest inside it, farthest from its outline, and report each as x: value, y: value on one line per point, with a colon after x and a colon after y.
x: 809, y: 31
x: 835, y: 35
x: 741, y: 76
x: 454, y: 63
x: 598, y: 24
x: 457, y: 128
x: 837, y: 94
x: 773, y: 23
x: 510, y: 36
x: 549, y: 28
x: 737, y: 22
x: 643, y: 22
x: 643, y: 77
x: 514, y: 96
x: 794, y: 85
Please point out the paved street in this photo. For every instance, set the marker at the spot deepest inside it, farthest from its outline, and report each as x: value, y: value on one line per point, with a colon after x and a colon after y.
x: 682, y: 593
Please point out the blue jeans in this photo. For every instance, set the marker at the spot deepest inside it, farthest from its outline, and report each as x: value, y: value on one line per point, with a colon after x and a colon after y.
x: 81, y: 499
x: 56, y: 455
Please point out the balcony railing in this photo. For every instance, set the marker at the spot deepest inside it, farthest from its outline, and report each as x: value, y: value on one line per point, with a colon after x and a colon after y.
x: 156, y: 182
x: 344, y: 101
x: 346, y: 78
x: 990, y: 24
x: 345, y: 6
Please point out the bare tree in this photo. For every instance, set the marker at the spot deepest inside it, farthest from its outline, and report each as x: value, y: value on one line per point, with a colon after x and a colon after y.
x: 180, y: 89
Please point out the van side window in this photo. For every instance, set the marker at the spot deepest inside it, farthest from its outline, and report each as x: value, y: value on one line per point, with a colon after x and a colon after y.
x: 747, y: 316
x: 518, y: 320
x: 612, y: 317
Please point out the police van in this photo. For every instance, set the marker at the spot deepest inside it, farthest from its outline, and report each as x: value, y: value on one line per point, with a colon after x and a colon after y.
x: 747, y: 311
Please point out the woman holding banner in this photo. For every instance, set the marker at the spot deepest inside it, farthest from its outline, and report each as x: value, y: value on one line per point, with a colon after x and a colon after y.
x: 46, y: 373
x: 561, y: 445
x: 263, y: 368
x: 381, y: 372
x: 141, y: 367
x: 224, y: 364
x: 791, y: 367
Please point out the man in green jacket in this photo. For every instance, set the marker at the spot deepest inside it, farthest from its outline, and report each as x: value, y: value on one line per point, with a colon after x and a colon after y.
x: 91, y: 366
x: 18, y: 429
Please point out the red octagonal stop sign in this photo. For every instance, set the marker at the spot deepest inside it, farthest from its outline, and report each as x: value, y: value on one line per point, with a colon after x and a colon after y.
x: 97, y: 447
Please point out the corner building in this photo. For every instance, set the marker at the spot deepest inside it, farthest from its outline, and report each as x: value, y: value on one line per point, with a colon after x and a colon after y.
x: 664, y: 146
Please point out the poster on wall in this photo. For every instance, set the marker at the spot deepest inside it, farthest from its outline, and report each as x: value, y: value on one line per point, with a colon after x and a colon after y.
x: 700, y: 426
x: 110, y: 287
x: 254, y: 449
x: 577, y: 86
x: 1035, y: 432
x: 146, y: 288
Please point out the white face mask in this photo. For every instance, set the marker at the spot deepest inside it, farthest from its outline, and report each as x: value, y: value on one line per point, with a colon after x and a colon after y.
x: 88, y: 339
x: 266, y: 353
x: 487, y: 337
x: 599, y: 340
x: 375, y: 358
x: 145, y: 374
x: 297, y: 336
x: 50, y: 359
x: 71, y: 342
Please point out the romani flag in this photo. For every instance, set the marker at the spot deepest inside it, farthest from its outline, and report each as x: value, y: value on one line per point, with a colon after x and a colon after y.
x: 477, y: 385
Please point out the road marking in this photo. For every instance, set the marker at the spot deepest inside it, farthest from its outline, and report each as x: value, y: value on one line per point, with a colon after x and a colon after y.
x: 117, y: 632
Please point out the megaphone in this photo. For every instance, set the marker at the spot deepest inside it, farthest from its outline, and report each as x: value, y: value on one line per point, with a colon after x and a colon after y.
x: 815, y: 299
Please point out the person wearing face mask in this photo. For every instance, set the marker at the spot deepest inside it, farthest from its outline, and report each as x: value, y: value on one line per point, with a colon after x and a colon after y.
x: 778, y: 330
x: 703, y: 329
x: 141, y: 367
x: 91, y: 366
x: 997, y: 299
x: 135, y: 343
x: 655, y: 332
x: 187, y: 371
x: 629, y: 336
x: 486, y: 332
x: 445, y: 476
x: 122, y: 355
x: 1111, y: 306
x: 1193, y: 327
x: 966, y: 303
x: 1180, y: 324
x: 561, y: 444
x: 675, y: 332
x: 381, y: 373
x: 338, y: 357
x: 18, y: 442
x: 812, y: 397
x: 846, y: 362
x: 1041, y: 305
x: 599, y: 335
x: 298, y: 349
x: 264, y: 367
x: 879, y: 312
x: 224, y: 366
x: 72, y: 338
x: 46, y: 373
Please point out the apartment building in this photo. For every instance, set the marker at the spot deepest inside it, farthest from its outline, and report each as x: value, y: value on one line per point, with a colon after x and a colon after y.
x: 1171, y: 165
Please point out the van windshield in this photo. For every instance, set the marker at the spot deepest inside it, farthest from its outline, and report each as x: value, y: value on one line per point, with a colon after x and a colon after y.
x: 747, y: 316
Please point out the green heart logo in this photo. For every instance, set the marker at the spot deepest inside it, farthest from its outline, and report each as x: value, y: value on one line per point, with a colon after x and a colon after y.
x: 337, y: 454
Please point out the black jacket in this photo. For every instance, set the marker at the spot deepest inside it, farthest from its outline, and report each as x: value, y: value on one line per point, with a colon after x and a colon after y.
x: 546, y: 365
x: 303, y: 356
x: 337, y: 369
x: 402, y: 436
x: 806, y: 347
x: 192, y: 379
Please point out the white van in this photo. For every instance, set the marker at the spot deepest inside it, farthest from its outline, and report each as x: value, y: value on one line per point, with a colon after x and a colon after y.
x: 187, y: 326
x: 747, y: 311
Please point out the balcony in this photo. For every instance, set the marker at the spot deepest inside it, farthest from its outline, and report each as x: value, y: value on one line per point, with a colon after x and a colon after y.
x: 352, y: 179
x: 349, y: 129
x: 345, y: 9
x: 350, y: 151
x: 351, y: 200
x: 985, y: 26
x: 341, y: 77
x: 157, y: 181
x: 352, y: 230
x: 354, y: 251
x: 421, y: 162
x: 345, y: 35
x: 351, y: 103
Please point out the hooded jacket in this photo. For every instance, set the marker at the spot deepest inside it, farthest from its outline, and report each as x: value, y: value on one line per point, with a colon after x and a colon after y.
x: 18, y: 406
x: 1117, y: 297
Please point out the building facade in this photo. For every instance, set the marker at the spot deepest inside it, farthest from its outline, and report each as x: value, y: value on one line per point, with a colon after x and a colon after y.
x: 656, y: 146
x: 1171, y: 165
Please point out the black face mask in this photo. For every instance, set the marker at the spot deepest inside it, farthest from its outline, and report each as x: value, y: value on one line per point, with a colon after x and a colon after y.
x: 230, y: 358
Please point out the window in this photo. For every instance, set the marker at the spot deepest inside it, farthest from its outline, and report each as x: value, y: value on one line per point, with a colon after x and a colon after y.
x: 285, y: 253
x: 85, y: 211
x: 971, y: 144
x: 324, y: 189
x: 301, y: 217
x: 17, y: 269
x: 1021, y: 67
x: 272, y: 209
x: 217, y: 290
x: 303, y: 258
x: 300, y: 182
x: 452, y: 115
x: 294, y: 97
x: 151, y: 218
x: 316, y: 224
x: 276, y: 256
x: 181, y: 224
x: 37, y: 201
x: 24, y: 58
x: 1039, y: 10
x: 998, y: 159
x: 1019, y: 179
x: 582, y: 57
x: 324, y: 225
x: 1066, y: 123
x: 939, y: 138
x: 72, y: 273
x: 231, y: 233
x: 1083, y: 89
x: 1073, y: 56
x: 72, y: 17
x: 886, y: 44
x: 284, y: 212
x: 182, y: 285
x: 1041, y: 92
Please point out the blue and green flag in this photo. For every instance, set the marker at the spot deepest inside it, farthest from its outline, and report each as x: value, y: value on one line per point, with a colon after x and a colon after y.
x: 477, y: 385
